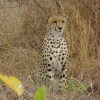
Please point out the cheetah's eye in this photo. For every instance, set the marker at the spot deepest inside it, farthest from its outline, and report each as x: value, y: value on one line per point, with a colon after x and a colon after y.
x: 63, y: 21
x: 54, y: 21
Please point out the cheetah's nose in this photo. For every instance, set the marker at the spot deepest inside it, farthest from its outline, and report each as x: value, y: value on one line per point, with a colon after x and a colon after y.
x: 59, y: 28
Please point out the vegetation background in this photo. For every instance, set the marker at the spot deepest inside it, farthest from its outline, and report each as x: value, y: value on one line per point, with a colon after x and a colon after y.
x: 22, y: 28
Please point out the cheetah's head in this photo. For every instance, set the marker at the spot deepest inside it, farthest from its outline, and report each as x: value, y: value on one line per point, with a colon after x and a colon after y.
x: 56, y: 23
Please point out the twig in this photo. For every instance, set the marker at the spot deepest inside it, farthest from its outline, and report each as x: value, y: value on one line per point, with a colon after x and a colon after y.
x: 40, y: 6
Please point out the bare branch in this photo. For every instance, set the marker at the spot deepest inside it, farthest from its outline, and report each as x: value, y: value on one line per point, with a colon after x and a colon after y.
x: 40, y: 6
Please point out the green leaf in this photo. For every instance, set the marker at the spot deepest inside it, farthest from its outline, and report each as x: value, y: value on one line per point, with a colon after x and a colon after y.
x: 40, y: 94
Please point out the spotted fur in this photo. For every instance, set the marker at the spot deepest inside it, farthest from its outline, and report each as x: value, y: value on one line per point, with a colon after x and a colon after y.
x: 54, y: 51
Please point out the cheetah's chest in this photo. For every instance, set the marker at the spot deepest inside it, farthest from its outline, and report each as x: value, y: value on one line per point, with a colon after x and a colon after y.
x: 55, y: 46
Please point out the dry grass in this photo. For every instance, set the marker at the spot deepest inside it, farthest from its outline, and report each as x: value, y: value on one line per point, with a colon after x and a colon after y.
x: 22, y: 28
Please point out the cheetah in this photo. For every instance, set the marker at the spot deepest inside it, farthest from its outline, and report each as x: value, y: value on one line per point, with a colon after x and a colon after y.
x: 54, y: 51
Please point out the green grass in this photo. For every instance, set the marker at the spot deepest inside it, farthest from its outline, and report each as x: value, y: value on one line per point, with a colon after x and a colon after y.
x: 73, y: 85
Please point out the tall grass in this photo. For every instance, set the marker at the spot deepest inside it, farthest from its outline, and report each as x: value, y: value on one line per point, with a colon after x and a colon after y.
x: 23, y: 26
